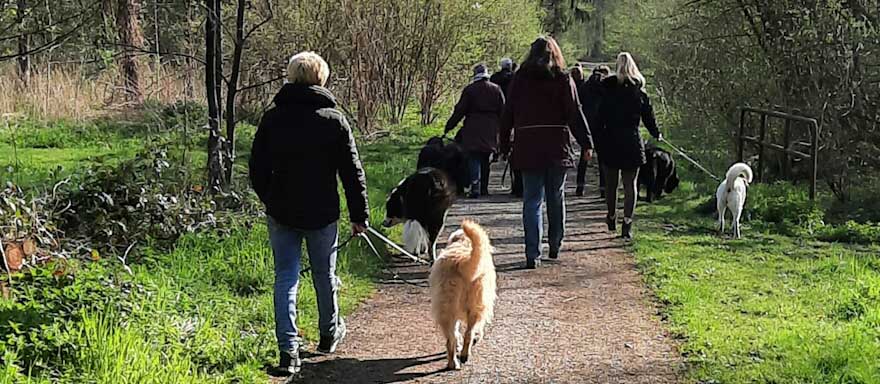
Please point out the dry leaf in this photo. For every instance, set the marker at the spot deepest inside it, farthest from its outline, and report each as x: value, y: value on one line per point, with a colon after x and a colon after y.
x: 198, y: 188
x: 95, y: 255
x: 60, y: 270
x: 14, y: 257
x: 29, y: 247
x: 4, y: 290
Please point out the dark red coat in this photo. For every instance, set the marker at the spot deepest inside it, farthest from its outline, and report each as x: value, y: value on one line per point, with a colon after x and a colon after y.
x: 480, y: 105
x: 543, y: 114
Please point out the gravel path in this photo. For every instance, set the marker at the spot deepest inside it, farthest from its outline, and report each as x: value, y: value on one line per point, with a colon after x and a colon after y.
x: 585, y: 319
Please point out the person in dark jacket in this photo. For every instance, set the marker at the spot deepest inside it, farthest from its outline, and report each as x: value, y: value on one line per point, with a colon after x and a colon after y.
x: 503, y: 77
x: 577, y: 74
x: 480, y: 105
x: 624, y: 105
x: 542, y: 113
x: 590, y: 93
x: 302, y: 145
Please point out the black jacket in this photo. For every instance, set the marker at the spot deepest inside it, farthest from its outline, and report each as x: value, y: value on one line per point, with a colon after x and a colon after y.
x: 624, y: 106
x: 502, y: 79
x: 590, y: 93
x: 301, y: 146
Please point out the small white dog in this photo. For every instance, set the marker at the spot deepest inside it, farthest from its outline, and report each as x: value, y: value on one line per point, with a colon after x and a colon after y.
x: 731, y: 195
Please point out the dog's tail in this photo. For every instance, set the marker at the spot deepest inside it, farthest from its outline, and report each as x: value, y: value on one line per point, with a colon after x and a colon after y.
x: 739, y: 170
x: 479, y: 247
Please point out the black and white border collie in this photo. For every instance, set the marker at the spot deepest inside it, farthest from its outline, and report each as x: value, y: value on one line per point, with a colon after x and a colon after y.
x: 421, y: 202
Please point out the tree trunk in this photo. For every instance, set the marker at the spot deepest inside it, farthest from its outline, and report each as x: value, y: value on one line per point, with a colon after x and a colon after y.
x: 24, y: 60
x: 232, y: 87
x: 218, y: 53
x: 599, y: 31
x: 131, y: 39
x: 216, y: 151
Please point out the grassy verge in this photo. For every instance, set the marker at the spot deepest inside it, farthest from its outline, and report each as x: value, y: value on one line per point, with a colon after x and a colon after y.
x: 770, y: 308
x: 201, y: 312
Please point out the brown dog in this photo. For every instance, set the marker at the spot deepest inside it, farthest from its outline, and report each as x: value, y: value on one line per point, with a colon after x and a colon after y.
x: 463, y: 290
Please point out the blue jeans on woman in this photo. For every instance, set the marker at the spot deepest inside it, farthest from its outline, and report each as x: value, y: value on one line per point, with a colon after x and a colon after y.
x: 287, y: 247
x: 549, y: 185
x: 478, y: 169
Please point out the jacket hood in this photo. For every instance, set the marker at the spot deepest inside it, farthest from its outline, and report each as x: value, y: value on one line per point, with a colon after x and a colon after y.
x: 612, y: 81
x: 312, y: 95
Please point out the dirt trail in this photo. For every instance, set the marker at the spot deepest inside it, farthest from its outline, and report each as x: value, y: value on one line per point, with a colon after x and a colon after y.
x: 585, y: 319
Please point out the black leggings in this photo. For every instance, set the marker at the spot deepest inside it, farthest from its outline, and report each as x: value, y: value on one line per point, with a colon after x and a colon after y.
x: 630, y: 178
x: 582, y: 173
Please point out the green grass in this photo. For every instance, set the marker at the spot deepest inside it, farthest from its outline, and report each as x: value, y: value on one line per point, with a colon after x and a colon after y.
x: 33, y: 151
x: 766, y: 309
x: 199, y: 313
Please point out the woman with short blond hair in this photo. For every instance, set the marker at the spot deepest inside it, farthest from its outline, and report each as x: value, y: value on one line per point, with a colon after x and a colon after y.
x: 302, y: 145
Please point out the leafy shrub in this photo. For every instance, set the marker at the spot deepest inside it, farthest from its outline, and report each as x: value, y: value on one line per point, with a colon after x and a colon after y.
x: 786, y: 206
x: 146, y: 198
x: 851, y: 232
x: 36, y: 325
x: 182, y: 113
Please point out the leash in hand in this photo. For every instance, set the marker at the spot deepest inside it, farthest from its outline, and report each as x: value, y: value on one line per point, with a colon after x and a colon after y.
x: 376, y: 253
x: 688, y: 158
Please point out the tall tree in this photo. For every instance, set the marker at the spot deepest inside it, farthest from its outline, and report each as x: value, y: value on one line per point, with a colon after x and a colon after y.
x: 131, y: 39
x: 213, y: 76
x: 24, y: 58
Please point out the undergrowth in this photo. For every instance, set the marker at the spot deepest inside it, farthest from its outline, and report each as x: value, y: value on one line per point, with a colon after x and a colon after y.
x: 192, y: 303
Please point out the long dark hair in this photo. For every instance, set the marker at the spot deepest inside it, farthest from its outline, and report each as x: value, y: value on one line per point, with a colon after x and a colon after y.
x: 545, y: 56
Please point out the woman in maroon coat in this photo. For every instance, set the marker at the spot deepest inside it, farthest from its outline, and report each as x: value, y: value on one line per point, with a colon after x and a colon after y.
x: 544, y: 111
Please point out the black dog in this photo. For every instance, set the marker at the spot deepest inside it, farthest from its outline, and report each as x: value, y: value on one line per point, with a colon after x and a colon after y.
x: 658, y: 174
x: 420, y: 202
x: 447, y: 157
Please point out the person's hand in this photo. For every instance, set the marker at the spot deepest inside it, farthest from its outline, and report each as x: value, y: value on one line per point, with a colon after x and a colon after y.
x: 660, y: 138
x: 588, y: 154
x: 358, y: 228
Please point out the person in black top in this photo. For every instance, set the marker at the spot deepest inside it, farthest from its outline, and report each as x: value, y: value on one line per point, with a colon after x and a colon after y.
x: 303, y: 144
x: 624, y: 106
x: 590, y: 94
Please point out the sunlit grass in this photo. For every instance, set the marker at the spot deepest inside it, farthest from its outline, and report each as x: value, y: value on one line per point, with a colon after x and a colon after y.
x: 765, y: 309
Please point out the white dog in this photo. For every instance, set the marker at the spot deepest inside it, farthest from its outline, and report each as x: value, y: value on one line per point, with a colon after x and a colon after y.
x: 731, y: 195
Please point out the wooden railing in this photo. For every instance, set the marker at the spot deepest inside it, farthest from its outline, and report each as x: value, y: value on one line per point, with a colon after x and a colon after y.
x: 787, y: 147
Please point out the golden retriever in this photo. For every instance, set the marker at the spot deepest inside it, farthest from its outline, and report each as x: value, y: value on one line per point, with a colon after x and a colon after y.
x: 462, y: 285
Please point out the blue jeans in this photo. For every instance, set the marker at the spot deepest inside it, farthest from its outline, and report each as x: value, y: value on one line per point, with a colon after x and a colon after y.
x: 478, y: 170
x: 287, y: 247
x: 547, y: 184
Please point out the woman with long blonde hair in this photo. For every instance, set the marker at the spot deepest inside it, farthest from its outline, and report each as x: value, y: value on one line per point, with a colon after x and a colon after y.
x: 624, y: 106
